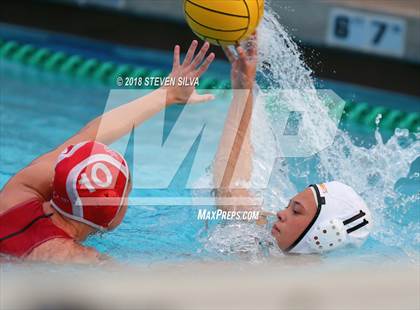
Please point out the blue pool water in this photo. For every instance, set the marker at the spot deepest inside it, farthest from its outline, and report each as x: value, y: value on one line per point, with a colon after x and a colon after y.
x: 39, y: 110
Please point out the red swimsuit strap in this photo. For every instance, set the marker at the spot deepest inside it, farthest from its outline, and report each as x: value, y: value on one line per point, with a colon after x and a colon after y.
x: 26, y: 226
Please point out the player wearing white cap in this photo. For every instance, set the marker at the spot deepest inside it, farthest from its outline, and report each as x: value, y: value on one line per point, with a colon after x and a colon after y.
x: 323, y: 217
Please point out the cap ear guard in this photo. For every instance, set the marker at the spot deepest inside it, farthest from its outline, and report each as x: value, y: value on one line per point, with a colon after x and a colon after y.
x: 328, y: 236
x: 334, y: 234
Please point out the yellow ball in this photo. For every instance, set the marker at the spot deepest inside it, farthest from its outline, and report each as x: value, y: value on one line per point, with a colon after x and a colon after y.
x: 223, y: 22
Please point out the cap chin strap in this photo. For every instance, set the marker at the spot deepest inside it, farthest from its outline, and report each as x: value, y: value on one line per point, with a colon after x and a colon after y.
x: 319, y: 201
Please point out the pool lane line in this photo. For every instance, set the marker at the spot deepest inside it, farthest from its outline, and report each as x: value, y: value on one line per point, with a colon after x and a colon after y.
x: 107, y: 73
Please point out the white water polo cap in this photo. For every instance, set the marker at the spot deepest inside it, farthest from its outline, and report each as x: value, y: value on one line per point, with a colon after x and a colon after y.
x: 342, y: 218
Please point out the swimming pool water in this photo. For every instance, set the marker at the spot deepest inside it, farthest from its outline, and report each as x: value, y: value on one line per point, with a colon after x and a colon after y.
x: 40, y: 110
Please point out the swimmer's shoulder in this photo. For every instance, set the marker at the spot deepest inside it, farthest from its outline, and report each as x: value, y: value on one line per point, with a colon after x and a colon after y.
x: 60, y: 250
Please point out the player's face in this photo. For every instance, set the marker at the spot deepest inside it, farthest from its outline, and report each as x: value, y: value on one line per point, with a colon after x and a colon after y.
x: 293, y: 220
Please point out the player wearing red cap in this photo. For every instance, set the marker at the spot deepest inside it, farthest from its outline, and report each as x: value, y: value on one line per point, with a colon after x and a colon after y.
x: 48, y: 208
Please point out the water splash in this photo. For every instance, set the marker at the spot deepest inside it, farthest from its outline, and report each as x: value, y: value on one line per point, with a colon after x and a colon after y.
x: 243, y: 240
x: 374, y: 172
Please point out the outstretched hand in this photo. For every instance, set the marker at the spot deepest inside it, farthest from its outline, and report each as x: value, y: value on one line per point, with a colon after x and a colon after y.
x: 192, y: 67
x: 244, y: 65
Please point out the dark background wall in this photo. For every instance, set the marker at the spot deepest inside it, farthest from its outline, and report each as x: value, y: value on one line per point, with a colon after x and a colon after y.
x: 135, y: 30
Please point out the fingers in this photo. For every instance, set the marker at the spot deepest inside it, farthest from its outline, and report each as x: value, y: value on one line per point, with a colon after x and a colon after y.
x: 228, y: 53
x: 190, y: 53
x: 191, y: 61
x: 196, y: 98
x: 253, y: 45
x: 201, y: 54
x: 241, y: 53
x: 176, y: 57
x: 205, y: 65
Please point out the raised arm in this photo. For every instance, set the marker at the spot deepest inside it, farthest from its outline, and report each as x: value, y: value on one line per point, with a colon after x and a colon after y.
x: 233, y: 162
x: 36, y: 179
x: 120, y: 121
